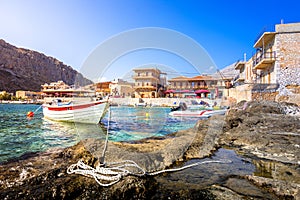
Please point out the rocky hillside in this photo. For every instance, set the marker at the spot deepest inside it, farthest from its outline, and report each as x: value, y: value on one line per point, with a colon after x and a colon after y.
x: 23, y: 69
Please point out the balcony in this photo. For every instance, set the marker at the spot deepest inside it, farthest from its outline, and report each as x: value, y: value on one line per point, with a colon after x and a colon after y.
x: 239, y: 65
x: 264, y: 60
x: 135, y: 77
x: 197, y: 87
x: 145, y: 87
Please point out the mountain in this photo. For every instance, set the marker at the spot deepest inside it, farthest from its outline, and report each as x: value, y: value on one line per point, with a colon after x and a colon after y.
x: 227, y: 72
x: 23, y: 69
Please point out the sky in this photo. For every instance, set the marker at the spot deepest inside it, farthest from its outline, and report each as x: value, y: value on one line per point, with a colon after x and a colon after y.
x: 71, y: 30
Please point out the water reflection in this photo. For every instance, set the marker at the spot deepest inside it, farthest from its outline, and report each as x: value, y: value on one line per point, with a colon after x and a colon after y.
x: 212, y: 173
x: 277, y: 170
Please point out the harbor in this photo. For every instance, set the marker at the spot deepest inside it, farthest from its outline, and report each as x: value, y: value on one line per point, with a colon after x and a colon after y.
x: 149, y: 100
x: 249, y: 164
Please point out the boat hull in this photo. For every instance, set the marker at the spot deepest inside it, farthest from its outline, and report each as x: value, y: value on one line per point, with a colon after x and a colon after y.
x: 90, y: 113
x: 197, y: 113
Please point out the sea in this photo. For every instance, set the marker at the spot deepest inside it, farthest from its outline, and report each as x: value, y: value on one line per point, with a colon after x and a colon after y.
x: 20, y: 135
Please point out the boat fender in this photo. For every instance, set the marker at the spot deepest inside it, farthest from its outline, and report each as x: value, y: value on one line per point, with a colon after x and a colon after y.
x: 30, y: 114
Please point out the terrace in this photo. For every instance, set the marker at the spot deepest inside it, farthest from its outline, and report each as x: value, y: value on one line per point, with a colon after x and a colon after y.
x: 263, y: 60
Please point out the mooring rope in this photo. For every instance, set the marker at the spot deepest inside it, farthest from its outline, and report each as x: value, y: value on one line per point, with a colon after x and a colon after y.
x: 37, y: 108
x: 106, y: 138
x: 107, y: 174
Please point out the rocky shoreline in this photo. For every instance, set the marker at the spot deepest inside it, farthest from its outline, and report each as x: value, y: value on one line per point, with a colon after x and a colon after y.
x: 266, y: 134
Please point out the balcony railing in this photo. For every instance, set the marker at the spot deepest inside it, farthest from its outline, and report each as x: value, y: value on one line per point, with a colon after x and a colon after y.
x: 264, y: 60
x: 188, y: 87
x: 151, y: 87
x: 145, y: 77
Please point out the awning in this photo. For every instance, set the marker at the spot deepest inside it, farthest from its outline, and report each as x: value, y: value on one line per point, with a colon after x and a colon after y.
x: 185, y: 91
x: 201, y: 91
x: 169, y: 91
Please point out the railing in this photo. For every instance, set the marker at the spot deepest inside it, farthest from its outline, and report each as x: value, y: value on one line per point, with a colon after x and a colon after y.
x: 145, y: 77
x: 188, y: 87
x: 268, y: 55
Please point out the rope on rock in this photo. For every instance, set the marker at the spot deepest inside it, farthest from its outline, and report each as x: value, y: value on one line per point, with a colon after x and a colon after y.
x: 107, y: 174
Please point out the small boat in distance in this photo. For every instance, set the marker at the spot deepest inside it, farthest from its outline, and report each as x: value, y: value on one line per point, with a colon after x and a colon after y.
x: 183, y: 111
x: 90, y: 112
x: 197, y: 113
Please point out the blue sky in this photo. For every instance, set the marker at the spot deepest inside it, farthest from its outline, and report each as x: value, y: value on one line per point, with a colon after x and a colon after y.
x: 70, y: 30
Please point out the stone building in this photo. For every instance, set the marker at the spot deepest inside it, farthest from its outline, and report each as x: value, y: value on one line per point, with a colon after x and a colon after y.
x: 148, y: 82
x: 59, y: 85
x: 273, y: 71
x: 121, y: 88
x: 102, y: 88
x: 27, y: 94
x: 201, y: 86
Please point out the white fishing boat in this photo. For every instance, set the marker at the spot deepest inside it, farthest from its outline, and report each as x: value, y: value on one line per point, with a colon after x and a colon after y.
x: 90, y: 112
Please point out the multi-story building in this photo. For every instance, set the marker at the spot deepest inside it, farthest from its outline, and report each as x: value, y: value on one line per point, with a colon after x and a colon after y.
x: 202, y: 86
x: 102, y: 88
x: 59, y: 85
x: 26, y: 94
x: 273, y: 71
x: 148, y: 82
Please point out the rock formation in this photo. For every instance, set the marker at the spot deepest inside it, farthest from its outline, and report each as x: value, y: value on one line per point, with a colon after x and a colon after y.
x: 23, y: 69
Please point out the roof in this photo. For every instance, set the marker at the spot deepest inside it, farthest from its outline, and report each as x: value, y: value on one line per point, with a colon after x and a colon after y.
x: 179, y: 78
x: 201, y: 77
x: 264, y: 39
x: 195, y: 78
x: 146, y: 69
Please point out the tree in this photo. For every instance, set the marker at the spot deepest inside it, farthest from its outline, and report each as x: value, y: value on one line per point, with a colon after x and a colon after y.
x: 5, y: 96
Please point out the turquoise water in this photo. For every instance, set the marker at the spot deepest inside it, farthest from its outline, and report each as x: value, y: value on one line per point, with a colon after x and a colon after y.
x: 20, y: 135
x: 128, y: 123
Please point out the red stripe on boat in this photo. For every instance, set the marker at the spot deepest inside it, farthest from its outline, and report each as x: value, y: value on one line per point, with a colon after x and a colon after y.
x: 76, y: 107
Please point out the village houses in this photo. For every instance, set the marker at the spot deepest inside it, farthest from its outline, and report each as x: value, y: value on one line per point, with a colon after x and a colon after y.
x: 272, y: 73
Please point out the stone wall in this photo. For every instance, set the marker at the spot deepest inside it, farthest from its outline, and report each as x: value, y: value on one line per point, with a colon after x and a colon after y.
x: 288, y: 62
x: 288, y: 57
x: 269, y: 96
x: 239, y: 93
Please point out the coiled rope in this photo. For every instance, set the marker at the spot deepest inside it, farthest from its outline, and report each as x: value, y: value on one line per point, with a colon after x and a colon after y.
x: 107, y: 174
